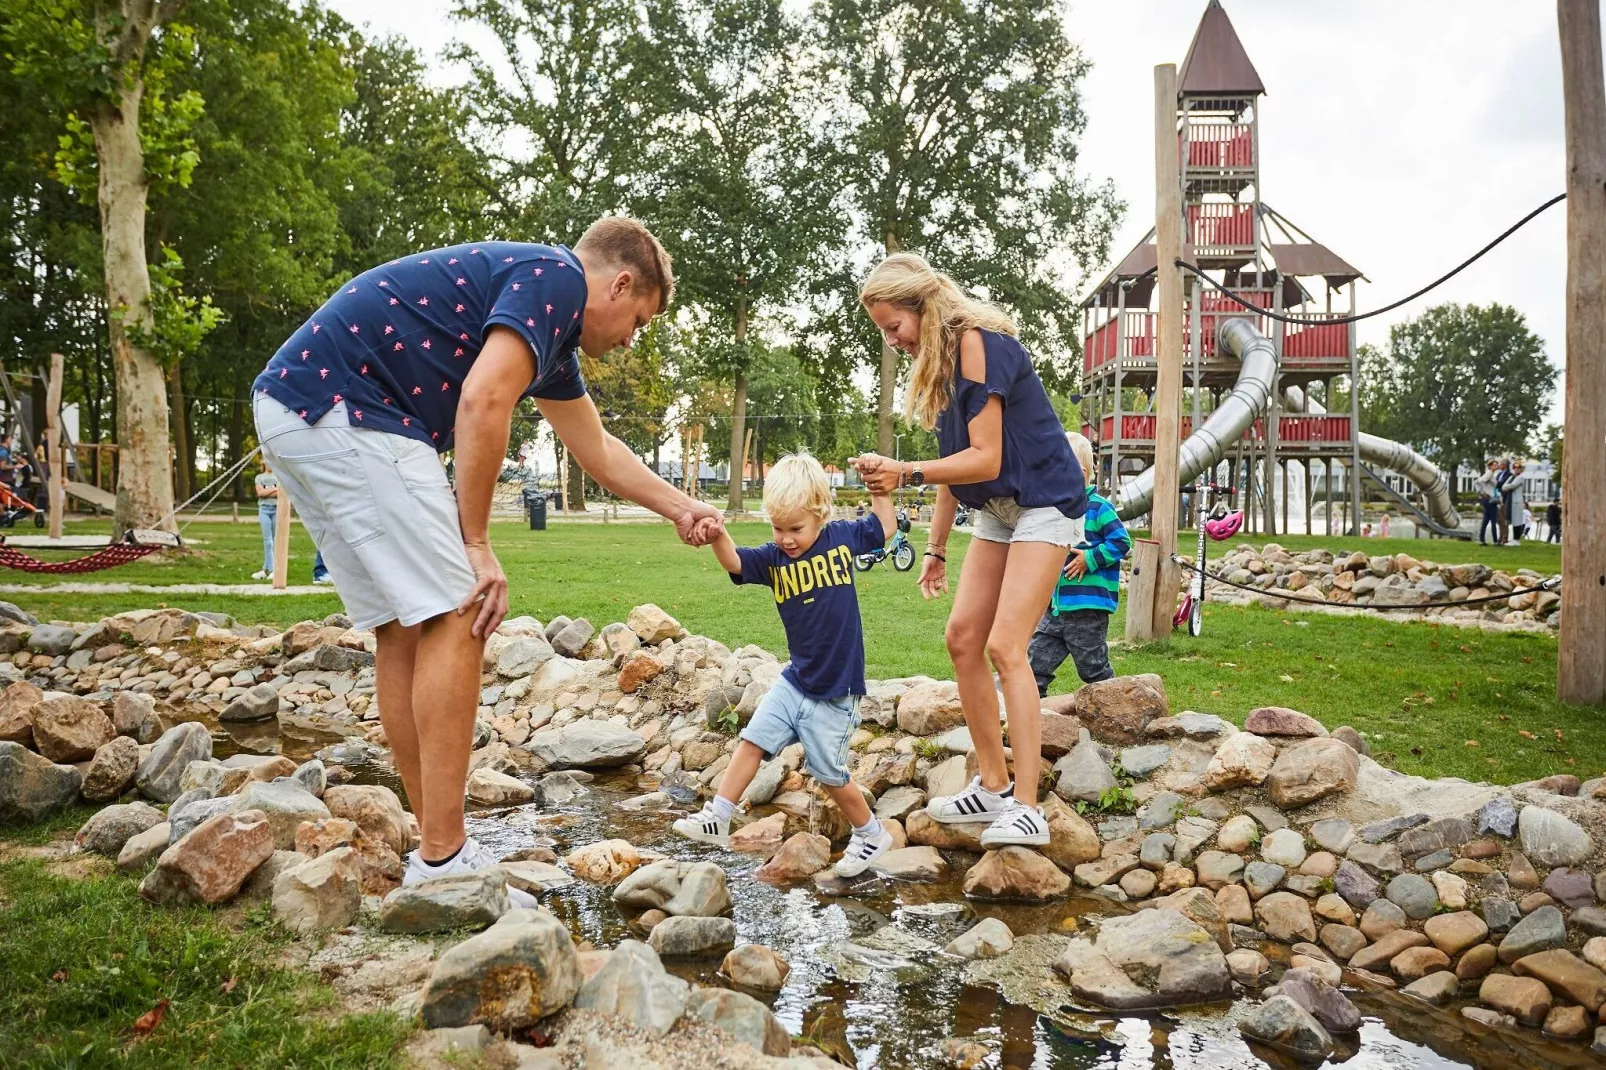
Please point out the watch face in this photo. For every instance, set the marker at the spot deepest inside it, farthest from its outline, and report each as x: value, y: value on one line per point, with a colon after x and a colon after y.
x: 917, y: 478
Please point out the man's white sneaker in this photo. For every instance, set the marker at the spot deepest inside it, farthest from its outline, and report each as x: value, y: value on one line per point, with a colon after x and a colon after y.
x: 473, y: 857
x: 259, y: 575
x: 705, y: 826
x: 861, y: 851
x: 973, y: 804
x: 1018, y: 826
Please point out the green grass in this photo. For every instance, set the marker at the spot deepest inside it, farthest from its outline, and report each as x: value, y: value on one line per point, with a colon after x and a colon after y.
x: 1426, y: 689
x: 85, y: 957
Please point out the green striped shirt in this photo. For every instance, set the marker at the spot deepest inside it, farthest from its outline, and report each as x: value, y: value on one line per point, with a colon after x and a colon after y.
x: 1105, y: 542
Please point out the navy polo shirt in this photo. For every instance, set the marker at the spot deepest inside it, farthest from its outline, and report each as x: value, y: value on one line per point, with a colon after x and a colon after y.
x: 818, y: 604
x: 396, y: 342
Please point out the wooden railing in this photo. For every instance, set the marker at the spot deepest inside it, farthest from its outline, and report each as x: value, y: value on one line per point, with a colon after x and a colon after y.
x: 1213, y: 226
x: 1218, y: 146
x: 1294, y: 431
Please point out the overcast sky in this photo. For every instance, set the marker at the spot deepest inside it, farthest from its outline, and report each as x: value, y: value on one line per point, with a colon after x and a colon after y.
x: 1403, y: 135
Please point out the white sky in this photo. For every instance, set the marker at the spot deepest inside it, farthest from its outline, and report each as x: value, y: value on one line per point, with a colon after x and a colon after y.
x: 1403, y: 135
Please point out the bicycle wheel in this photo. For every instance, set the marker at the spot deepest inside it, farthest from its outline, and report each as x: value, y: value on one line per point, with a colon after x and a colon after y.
x: 39, y: 520
x: 1196, y: 617
x: 903, y: 558
x: 864, y: 562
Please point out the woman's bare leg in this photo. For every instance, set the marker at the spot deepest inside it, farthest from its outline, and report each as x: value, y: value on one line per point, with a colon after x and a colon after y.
x: 969, y: 625
x: 1028, y: 582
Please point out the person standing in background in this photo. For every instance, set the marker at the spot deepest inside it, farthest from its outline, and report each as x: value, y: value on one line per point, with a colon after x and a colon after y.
x: 267, y: 490
x: 1553, y: 521
x: 1502, y: 480
x: 1517, y: 502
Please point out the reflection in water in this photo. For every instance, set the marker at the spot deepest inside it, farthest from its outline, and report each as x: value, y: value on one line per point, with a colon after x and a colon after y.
x: 892, y: 1019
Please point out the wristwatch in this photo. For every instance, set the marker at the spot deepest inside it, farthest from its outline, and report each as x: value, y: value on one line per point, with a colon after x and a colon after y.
x: 917, y: 478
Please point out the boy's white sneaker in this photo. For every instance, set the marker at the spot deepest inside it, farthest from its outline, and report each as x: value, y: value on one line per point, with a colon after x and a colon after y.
x: 861, y: 851
x: 473, y: 857
x: 705, y: 826
x: 1018, y: 826
x: 973, y: 804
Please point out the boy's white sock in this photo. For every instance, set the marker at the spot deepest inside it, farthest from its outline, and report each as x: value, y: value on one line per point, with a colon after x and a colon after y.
x: 871, y: 827
x: 724, y: 809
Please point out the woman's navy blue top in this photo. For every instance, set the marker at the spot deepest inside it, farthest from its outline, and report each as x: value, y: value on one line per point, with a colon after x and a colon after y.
x: 1038, y: 468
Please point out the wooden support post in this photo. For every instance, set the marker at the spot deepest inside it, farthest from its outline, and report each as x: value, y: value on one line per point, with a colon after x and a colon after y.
x: 1581, y: 650
x: 1168, y: 371
x: 563, y: 472
x: 281, y: 542
x: 55, y: 455
x: 741, y: 477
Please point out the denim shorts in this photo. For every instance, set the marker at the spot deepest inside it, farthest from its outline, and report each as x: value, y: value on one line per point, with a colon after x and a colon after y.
x: 823, y: 725
x: 1003, y: 520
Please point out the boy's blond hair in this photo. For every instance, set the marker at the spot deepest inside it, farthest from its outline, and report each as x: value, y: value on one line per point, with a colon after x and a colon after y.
x: 797, y: 484
x: 1083, y: 449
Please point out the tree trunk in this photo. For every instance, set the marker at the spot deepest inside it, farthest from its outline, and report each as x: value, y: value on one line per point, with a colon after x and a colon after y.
x: 888, y: 377
x: 145, y: 476
x: 577, y: 486
x: 192, y: 474
x: 181, y: 438
x: 734, y: 506
x: 236, y: 448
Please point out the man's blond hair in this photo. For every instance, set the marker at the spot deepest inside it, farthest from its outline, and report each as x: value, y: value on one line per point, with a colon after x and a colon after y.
x: 1083, y: 449
x: 797, y: 484
x: 626, y: 244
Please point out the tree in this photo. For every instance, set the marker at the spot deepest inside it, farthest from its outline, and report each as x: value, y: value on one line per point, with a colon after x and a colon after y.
x: 963, y: 118
x: 1472, y: 380
x: 728, y: 179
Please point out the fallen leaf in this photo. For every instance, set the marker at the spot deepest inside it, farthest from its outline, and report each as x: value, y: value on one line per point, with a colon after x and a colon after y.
x: 1465, y: 649
x: 1503, y: 717
x: 1572, y: 761
x: 1559, y: 738
x: 59, y: 976
x: 1525, y: 734
x: 1417, y: 751
x: 1473, y: 743
x: 1388, y: 644
x: 1527, y: 661
x: 228, y: 986
x: 152, y: 1018
x: 1285, y: 678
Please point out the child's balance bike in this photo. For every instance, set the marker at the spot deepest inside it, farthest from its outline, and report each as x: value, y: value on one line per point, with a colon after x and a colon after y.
x: 1219, y: 524
x: 900, y: 549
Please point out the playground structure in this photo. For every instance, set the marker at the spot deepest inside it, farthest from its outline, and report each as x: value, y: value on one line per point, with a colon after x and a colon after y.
x: 1253, y: 380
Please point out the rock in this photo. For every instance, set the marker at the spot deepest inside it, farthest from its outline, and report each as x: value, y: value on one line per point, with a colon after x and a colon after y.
x: 1083, y: 774
x: 1283, y: 1024
x: 1242, y: 761
x: 1015, y: 873
x: 1344, y: 941
x: 1524, y: 998
x: 212, y: 862
x: 1155, y: 853
x: 108, y: 830
x: 1262, y: 878
x: 604, y: 862
x: 1314, y: 769
x: 652, y: 625
x: 523, y: 655
x: 639, y: 669
x: 1178, y: 962
x: 379, y: 868
x: 1141, y: 761
x: 1591, y: 920
x: 1498, y: 913
x: 32, y: 786
x: 1060, y: 732
x: 70, y: 729
x: 1321, y: 1000
x: 1247, y: 966
x: 1161, y: 811
x: 1476, y: 962
x: 112, y: 770
x: 800, y: 857
x: 987, y: 939
x: 756, y: 966
x: 929, y: 708
x: 261, y: 703
x: 507, y: 977
x: 915, y: 864
x: 899, y: 802
x: 16, y: 712
x: 572, y: 638
x: 1572, y: 888
x: 1449, y: 832
x: 742, y: 1016
x: 1238, y: 835
x: 1334, y: 908
x: 1520, y: 873
x: 1547, y: 838
x: 692, y: 936
x: 1201, y: 908
x: 685, y: 889
x: 1435, y: 989
x: 1387, y: 948
x: 1488, y: 1018
x: 1567, y: 975
x: 52, y: 639
x: 1568, y: 1023
x: 1498, y: 816
x: 158, y: 775
x: 286, y: 803
x: 487, y: 787
x: 325, y: 893
x: 1138, y: 884
x: 1216, y: 868
x: 1282, y: 721
x: 143, y: 847
x: 634, y: 986
x: 1233, y: 902
x: 1540, y: 931
x: 1286, y: 917
x: 1454, y: 933
x: 460, y: 901
x: 1104, y: 871
x: 587, y: 745
x: 762, y: 836
x: 1120, y: 707
x: 1413, y: 894
x: 1285, y: 847
x: 1381, y: 918
x: 1352, y: 739
x: 373, y: 808
x: 535, y: 877
x: 1451, y: 890
x: 1415, y: 963
x: 1379, y: 831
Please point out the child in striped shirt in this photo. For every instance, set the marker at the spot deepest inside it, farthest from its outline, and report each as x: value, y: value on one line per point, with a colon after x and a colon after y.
x: 1077, y: 623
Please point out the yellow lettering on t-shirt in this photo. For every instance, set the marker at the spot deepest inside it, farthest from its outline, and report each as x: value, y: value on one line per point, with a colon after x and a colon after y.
x: 805, y: 576
x: 833, y: 561
x: 847, y: 563
x: 782, y: 582
x: 822, y: 572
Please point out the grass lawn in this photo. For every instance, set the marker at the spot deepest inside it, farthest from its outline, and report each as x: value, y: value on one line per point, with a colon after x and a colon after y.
x: 1424, y: 693
x: 85, y: 958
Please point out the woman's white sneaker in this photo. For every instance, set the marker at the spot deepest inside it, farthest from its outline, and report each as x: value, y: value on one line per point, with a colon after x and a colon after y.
x: 1018, y: 826
x: 705, y: 827
x: 973, y: 804
x: 861, y: 851
x: 474, y: 856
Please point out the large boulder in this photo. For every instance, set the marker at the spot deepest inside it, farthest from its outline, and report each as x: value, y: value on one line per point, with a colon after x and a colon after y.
x: 32, y: 786
x: 134, y: 715
x: 212, y: 862
x: 1548, y: 838
x: 1241, y: 761
x: 439, y: 904
x: 587, y: 745
x: 603, y: 862
x: 692, y: 936
x: 686, y: 889
x: 111, y: 772
x: 52, y: 639
x: 634, y: 985
x: 1282, y: 721
x: 1015, y: 873
x: 158, y: 775
x: 70, y: 729
x: 757, y: 967
x: 801, y: 856
x: 108, y: 830
x: 379, y: 868
x: 1283, y: 1024
x: 374, y: 808
x: 260, y: 703
x: 324, y: 893
x: 1154, y: 958
x: 652, y: 625
x: 742, y: 1016
x: 1118, y: 709
x: 508, y: 977
x: 16, y: 712
x: 286, y: 803
x: 929, y: 708
x: 1314, y: 769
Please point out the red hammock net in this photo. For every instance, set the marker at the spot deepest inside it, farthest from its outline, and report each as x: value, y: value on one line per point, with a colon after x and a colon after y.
x: 118, y: 553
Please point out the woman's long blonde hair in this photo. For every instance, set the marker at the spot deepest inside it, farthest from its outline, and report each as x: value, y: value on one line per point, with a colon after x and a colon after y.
x: 946, y: 312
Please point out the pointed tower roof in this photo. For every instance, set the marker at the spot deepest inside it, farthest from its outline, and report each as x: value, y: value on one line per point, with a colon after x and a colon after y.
x: 1217, y: 65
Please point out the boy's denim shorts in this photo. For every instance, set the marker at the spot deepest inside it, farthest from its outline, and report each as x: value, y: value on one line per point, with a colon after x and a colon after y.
x: 823, y: 725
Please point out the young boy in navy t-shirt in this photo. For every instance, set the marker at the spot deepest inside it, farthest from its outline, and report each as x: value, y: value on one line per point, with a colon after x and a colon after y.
x: 808, y: 568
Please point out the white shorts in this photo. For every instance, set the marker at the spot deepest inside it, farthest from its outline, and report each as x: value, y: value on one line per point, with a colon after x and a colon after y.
x: 379, y: 507
x: 1003, y: 520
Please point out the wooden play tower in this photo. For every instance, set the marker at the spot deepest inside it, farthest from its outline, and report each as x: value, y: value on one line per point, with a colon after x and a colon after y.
x: 1232, y: 233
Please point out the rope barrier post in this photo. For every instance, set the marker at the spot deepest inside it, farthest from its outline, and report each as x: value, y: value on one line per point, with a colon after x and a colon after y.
x: 281, y: 542
x: 1581, y: 650
x: 57, y: 485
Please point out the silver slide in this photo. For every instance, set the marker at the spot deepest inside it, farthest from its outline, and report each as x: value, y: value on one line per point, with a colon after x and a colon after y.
x: 1247, y: 401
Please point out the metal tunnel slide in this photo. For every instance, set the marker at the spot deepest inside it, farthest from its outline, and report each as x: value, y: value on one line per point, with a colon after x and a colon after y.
x: 1247, y: 401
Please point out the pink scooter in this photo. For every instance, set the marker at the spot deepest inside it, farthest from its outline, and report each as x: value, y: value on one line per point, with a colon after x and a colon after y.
x: 1216, y: 522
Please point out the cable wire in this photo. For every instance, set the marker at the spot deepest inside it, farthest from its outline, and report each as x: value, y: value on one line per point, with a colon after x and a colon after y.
x: 1548, y: 585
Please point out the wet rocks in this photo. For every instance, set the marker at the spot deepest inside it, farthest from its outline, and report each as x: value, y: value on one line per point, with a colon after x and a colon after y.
x: 260, y: 703
x: 604, y: 862
x: 1015, y: 873
x: 915, y: 864
x: 1524, y: 998
x: 1321, y: 1000
x: 1312, y: 770
x: 109, y: 829
x: 757, y: 967
x: 1549, y: 839
x: 682, y: 889
x: 32, y: 786
x: 987, y: 939
x: 587, y: 745
x: 487, y: 787
x: 742, y: 1016
x: 1435, y: 989
x: 1178, y: 961
x: 1286, y: 917
x: 439, y: 904
x: 1386, y: 948
x: 1283, y: 1024
x: 692, y: 936
x: 324, y: 893
x: 508, y: 977
x: 800, y: 857
x: 1539, y: 931
x: 633, y: 985
x: 1247, y: 965
x: 212, y: 862
x: 158, y: 775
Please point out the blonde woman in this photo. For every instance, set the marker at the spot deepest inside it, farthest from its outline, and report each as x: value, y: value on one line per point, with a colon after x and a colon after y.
x: 1005, y: 456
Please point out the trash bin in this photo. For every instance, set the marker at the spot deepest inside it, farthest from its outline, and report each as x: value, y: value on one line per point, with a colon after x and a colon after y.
x: 535, y: 501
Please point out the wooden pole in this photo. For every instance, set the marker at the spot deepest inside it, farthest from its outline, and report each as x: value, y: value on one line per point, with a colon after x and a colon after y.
x: 563, y: 472
x: 1168, y: 372
x: 55, y: 457
x: 1581, y: 650
x: 281, y: 542
x: 747, y: 446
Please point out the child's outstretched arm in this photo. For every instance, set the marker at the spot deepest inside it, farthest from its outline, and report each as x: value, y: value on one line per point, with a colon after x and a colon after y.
x: 881, y: 506
x: 725, y: 552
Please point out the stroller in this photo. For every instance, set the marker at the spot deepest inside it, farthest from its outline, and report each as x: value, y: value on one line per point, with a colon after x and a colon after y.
x: 14, y: 507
